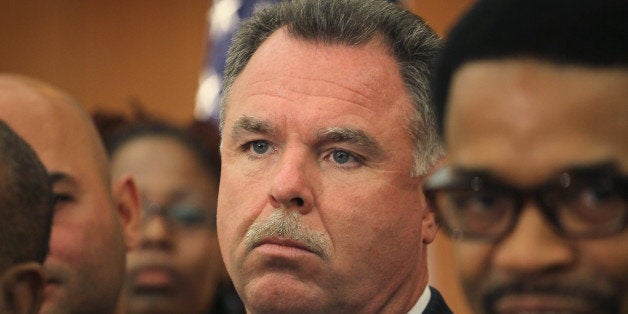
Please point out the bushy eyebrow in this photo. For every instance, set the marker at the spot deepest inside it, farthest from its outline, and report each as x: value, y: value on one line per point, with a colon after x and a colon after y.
x: 593, y: 167
x: 251, y: 125
x: 248, y: 125
x: 352, y: 136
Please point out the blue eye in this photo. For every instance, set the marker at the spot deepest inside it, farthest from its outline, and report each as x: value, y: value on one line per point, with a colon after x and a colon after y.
x: 260, y: 147
x: 341, y: 157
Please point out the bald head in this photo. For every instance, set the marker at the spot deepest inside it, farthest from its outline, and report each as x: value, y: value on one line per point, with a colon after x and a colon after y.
x: 40, y: 113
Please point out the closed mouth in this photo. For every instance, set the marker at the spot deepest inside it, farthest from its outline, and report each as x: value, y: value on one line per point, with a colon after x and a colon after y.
x: 542, y: 303
x: 52, y: 287
x: 53, y: 281
x: 284, y: 242
x: 153, y: 280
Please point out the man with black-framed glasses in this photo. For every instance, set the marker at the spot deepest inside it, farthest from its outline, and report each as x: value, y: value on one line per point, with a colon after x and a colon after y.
x: 531, y: 98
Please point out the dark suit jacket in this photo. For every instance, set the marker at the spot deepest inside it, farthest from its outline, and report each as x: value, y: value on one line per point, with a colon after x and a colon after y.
x: 436, y: 305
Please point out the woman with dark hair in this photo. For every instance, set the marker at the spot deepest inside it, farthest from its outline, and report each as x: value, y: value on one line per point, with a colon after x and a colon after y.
x: 177, y: 267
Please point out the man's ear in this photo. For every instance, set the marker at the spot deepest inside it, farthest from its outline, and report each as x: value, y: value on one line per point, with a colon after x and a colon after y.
x: 430, y: 219
x: 429, y: 225
x: 126, y: 198
x: 22, y: 288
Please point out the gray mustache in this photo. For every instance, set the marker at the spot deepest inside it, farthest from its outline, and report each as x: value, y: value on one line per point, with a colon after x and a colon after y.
x: 288, y: 225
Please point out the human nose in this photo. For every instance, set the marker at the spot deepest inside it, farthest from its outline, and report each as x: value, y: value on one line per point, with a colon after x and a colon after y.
x: 533, y: 246
x: 291, y: 183
x: 155, y: 232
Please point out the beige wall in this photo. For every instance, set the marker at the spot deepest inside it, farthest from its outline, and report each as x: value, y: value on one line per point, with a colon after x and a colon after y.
x: 107, y: 52
x: 440, y: 14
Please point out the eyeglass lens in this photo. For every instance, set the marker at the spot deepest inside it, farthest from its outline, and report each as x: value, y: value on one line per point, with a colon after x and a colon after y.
x: 580, y: 203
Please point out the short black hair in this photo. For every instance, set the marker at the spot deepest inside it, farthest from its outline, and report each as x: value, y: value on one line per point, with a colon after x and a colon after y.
x: 26, y: 200
x: 591, y: 33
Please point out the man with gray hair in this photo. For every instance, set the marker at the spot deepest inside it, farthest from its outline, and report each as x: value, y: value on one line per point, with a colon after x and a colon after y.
x: 327, y: 133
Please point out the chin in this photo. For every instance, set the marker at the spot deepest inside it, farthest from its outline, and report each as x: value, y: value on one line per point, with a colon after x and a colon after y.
x: 47, y: 307
x: 53, y: 304
x: 280, y: 296
x: 282, y: 306
x: 152, y: 307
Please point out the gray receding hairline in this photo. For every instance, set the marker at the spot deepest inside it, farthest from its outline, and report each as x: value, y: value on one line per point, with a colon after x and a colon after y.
x: 354, y: 23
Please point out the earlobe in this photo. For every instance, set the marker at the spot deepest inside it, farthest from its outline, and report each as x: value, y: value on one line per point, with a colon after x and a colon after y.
x: 22, y: 288
x: 127, y: 201
x: 429, y: 225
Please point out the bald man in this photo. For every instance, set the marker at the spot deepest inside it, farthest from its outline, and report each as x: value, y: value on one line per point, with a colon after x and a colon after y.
x: 95, y: 221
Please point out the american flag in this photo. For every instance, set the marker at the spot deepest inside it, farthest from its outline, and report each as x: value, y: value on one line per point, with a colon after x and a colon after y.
x: 224, y: 18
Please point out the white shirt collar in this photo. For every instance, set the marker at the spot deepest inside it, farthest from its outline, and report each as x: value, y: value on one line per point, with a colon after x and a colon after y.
x: 420, y: 305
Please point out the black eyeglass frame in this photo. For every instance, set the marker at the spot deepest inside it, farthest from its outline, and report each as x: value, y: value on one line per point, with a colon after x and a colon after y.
x: 442, y: 181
